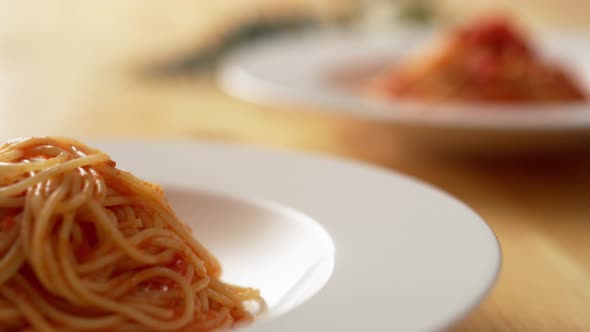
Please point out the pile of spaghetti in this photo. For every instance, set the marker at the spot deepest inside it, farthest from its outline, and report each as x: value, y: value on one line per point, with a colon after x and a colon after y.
x: 489, y: 60
x: 87, y: 247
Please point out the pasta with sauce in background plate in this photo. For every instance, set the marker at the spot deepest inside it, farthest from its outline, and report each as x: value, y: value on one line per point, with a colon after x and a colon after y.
x: 489, y: 60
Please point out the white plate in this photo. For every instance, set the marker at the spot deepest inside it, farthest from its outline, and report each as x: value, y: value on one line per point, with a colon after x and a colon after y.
x: 333, y: 245
x: 301, y: 69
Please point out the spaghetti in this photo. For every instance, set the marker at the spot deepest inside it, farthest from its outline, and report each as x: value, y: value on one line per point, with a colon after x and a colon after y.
x: 87, y: 247
x: 489, y: 61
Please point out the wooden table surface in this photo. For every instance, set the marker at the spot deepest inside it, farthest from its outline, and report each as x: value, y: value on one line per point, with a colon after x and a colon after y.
x: 67, y: 72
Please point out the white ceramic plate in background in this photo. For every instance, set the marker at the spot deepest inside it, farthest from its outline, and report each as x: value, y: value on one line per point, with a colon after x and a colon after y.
x: 300, y: 69
x: 333, y: 245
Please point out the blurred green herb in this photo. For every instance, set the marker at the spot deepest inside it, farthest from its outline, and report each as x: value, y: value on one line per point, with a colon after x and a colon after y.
x: 206, y: 58
x: 417, y: 12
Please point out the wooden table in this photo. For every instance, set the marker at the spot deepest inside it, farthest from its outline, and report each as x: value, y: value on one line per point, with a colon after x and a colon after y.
x: 72, y: 79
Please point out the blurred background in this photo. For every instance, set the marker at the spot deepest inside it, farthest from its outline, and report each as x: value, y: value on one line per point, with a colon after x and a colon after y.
x: 81, y: 59
x: 145, y: 69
